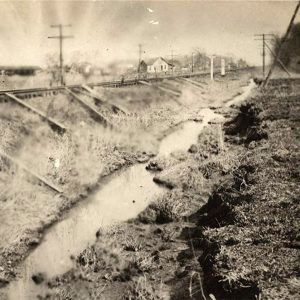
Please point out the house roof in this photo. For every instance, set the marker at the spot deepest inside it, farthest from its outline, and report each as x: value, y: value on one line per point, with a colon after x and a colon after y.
x: 151, y: 61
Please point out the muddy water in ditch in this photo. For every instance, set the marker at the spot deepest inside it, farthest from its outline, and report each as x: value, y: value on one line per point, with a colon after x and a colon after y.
x: 183, y: 138
x: 246, y: 92
x: 122, y: 198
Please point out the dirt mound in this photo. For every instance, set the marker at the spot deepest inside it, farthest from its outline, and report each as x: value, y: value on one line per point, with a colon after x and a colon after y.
x: 246, y: 126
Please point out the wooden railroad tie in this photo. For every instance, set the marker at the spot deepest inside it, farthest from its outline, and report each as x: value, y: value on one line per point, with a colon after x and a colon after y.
x: 168, y: 84
x: 167, y: 90
x: 192, y: 82
x: 94, y: 113
x: 93, y: 94
x: 55, y: 125
x: 32, y: 173
x: 160, y: 88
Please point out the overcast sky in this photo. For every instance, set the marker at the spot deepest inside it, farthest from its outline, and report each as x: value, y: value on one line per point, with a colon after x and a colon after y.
x: 105, y: 31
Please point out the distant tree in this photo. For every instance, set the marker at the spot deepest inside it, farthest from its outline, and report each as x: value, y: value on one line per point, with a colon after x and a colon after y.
x: 200, y: 58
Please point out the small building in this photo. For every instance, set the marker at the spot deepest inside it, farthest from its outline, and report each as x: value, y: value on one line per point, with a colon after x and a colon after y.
x: 19, y: 70
x: 156, y: 65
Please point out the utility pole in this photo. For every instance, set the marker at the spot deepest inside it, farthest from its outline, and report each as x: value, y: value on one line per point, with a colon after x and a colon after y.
x: 140, y: 59
x: 264, y: 55
x: 212, y: 67
x: 172, y: 59
x: 172, y: 55
x: 192, y: 62
x: 263, y: 38
x: 283, y: 40
x: 61, y: 37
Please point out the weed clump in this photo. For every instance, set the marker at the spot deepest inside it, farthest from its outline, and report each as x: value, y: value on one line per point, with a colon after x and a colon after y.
x: 246, y: 126
x: 208, y: 144
x: 165, y: 209
x: 105, y: 256
x: 141, y: 289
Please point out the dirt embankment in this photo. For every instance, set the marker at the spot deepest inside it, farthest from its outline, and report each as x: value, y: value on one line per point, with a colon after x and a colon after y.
x: 250, y: 224
x: 228, y: 225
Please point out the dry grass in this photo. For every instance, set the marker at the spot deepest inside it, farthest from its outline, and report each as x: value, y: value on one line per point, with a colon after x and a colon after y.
x: 124, y: 236
x: 165, y: 209
x: 141, y: 289
x: 18, y: 214
x: 106, y: 256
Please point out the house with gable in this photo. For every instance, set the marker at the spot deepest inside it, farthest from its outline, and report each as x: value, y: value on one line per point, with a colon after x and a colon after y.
x: 155, y: 65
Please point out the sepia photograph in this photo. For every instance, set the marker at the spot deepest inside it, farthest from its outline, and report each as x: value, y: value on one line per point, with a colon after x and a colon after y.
x: 149, y: 150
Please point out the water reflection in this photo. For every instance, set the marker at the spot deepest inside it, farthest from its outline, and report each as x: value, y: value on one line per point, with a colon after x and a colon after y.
x: 120, y: 199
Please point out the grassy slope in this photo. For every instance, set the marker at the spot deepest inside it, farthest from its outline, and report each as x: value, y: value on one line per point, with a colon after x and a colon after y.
x: 86, y: 153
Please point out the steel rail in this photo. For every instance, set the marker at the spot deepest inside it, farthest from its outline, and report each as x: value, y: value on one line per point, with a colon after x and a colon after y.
x: 117, y: 83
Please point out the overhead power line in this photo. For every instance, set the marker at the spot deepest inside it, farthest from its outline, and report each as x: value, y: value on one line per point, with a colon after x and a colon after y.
x: 279, y: 60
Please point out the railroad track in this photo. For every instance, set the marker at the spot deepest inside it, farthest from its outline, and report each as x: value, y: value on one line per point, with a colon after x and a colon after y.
x: 19, y: 95
x: 42, y: 91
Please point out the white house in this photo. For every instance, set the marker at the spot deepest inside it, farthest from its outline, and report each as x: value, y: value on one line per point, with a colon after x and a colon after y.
x: 156, y: 65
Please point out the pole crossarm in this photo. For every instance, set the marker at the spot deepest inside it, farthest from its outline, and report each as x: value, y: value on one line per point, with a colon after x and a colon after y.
x: 61, y: 37
x: 261, y: 34
x: 61, y: 25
